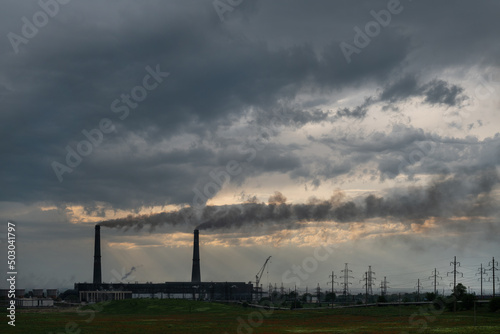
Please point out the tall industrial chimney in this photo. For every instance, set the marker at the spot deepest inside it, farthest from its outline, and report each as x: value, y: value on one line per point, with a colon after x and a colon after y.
x: 97, y: 256
x: 195, y: 274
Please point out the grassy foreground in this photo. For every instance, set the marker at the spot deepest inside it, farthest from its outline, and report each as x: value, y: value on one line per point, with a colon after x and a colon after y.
x: 183, y: 316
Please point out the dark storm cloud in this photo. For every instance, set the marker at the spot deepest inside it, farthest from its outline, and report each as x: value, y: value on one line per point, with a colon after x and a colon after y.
x: 57, y: 223
x: 404, y: 151
x: 401, y: 89
x: 357, y: 112
x: 65, y: 79
x: 297, y: 118
x: 439, y: 91
x: 434, y: 92
x: 71, y: 85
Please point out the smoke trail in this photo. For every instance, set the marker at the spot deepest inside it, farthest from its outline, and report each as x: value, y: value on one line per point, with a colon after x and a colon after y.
x: 466, y: 195
x: 129, y: 273
x: 174, y: 218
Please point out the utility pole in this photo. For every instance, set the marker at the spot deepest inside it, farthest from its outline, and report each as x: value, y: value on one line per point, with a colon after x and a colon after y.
x: 295, y: 297
x: 272, y: 291
x: 366, y: 286
x: 346, y: 277
x: 418, y: 290
x: 493, y: 269
x: 482, y: 272
x: 371, y: 278
x: 435, y: 275
x: 454, y: 272
x: 333, y: 281
x: 383, y: 287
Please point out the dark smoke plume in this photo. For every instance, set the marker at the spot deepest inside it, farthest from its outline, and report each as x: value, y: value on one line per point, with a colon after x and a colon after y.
x: 174, y: 218
x: 129, y: 273
x: 467, y: 195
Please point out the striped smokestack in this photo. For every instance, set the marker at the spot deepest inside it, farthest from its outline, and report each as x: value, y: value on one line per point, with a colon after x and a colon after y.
x: 97, y: 256
x: 195, y: 274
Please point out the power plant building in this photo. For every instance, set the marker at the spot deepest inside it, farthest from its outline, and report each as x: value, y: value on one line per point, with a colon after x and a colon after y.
x: 196, y: 289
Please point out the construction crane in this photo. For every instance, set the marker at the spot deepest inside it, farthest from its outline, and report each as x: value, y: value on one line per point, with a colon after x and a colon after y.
x: 258, y: 277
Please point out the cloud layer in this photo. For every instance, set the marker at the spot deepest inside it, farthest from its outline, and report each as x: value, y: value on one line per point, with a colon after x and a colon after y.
x: 225, y: 78
x: 94, y: 130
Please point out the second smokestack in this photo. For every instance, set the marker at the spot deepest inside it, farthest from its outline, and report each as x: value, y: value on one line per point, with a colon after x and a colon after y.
x: 97, y: 256
x: 195, y: 274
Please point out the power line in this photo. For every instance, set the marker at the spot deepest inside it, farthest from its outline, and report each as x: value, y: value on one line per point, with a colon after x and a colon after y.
x: 346, y: 280
x: 371, y: 278
x: 366, y: 286
x: 493, y: 269
x: 482, y: 272
x: 383, y: 286
x: 418, y: 289
x: 333, y: 277
x: 333, y: 282
x: 455, y: 272
x: 435, y: 280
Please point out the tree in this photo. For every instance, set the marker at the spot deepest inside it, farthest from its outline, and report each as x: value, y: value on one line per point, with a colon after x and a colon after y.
x: 381, y: 299
x: 330, y: 297
x: 69, y: 295
x: 459, y: 291
x: 468, y: 301
x: 306, y: 297
x: 295, y: 304
x: 495, y: 304
x: 430, y: 296
x: 265, y: 301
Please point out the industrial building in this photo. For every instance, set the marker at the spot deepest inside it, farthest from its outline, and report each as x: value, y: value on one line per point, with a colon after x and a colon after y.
x: 36, y: 298
x: 36, y: 293
x: 195, y: 289
x: 34, y: 302
x: 101, y: 296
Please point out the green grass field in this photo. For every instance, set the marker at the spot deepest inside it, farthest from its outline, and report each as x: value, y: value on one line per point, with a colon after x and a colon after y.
x: 183, y: 316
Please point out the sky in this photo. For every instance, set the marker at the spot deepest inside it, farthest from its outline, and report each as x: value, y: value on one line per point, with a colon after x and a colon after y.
x: 317, y: 132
